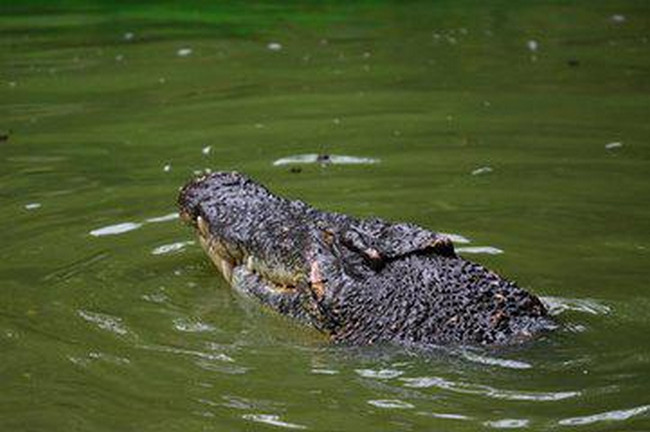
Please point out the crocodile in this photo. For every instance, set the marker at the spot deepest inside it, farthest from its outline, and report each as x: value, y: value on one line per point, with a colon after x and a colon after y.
x: 358, y: 281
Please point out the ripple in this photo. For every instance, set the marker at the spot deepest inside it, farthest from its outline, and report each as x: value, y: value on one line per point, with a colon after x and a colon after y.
x: 164, y: 218
x: 186, y: 352
x: 325, y: 371
x: 124, y: 227
x: 272, y: 419
x: 447, y: 416
x: 115, y: 229
x: 390, y: 404
x: 490, y: 250
x: 104, y: 321
x: 495, y: 361
x: 99, y: 356
x: 508, y: 423
x: 482, y: 170
x: 484, y: 390
x: 379, y: 374
x: 617, y: 415
x: 189, y: 326
x: 170, y: 247
x: 324, y: 159
x: 456, y: 238
x: 558, y: 305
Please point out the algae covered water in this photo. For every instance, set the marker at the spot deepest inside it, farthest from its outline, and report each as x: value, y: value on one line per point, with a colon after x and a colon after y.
x: 520, y: 128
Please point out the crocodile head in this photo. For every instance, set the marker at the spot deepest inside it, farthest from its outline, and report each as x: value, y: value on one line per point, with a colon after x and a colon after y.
x: 261, y: 244
x: 359, y: 281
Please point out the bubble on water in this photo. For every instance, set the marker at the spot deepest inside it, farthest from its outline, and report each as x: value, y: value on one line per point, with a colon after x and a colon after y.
x: 32, y: 206
x: 206, y: 150
x: 184, y: 52
x: 274, y: 46
x: 390, y: 404
x: 115, y: 229
x: 613, y: 145
x: 532, y: 45
x: 618, y: 18
x: 129, y: 36
x: 167, y: 168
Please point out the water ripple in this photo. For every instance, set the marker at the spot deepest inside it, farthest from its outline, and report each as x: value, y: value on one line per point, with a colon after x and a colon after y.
x: 189, y: 326
x: 558, y: 305
x: 484, y: 390
x: 164, y: 218
x: 192, y: 353
x: 272, y: 419
x: 508, y: 423
x: 171, y: 247
x: 379, y: 374
x: 115, y: 229
x: 324, y: 159
x: 495, y: 361
x: 390, y: 404
x: 617, y: 415
x: 490, y: 250
x: 104, y: 321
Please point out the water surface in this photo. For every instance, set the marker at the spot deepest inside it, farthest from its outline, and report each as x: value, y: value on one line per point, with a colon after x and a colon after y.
x: 519, y: 127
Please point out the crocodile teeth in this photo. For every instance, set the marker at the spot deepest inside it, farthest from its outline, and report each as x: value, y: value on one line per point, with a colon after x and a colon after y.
x: 203, y: 227
x: 226, y: 269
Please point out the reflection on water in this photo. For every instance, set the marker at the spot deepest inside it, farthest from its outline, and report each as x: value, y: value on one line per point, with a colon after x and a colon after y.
x: 518, y: 128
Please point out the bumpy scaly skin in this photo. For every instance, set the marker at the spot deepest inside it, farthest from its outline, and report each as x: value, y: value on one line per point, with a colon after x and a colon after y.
x: 359, y: 281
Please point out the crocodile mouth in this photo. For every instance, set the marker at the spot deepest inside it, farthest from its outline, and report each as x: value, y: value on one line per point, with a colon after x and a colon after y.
x: 237, y: 265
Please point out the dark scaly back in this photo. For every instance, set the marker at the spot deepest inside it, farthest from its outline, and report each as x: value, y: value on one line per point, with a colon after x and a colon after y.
x: 429, y: 299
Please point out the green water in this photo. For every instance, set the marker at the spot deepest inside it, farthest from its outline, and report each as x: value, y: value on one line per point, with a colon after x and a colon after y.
x: 522, y: 126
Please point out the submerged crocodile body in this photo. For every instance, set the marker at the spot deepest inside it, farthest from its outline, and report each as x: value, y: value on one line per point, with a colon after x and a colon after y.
x: 358, y: 281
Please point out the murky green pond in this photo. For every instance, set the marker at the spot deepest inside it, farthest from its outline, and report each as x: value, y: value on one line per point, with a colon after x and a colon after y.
x: 521, y: 126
